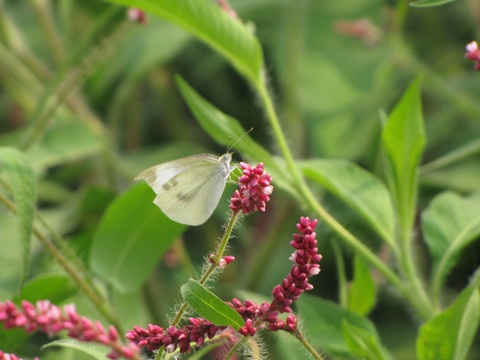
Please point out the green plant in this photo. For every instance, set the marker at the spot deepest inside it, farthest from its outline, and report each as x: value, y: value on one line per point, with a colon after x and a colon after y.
x: 395, y: 216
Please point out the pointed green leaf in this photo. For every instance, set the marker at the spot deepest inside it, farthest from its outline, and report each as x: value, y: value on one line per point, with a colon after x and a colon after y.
x: 359, y: 189
x: 449, y: 224
x: 95, y: 350
x: 363, y: 343
x: 403, y: 141
x: 210, y: 306
x: 449, y: 335
x: 222, y: 127
x: 19, y: 176
x: 212, y: 25
x: 429, y: 3
x: 131, y: 238
x: 322, y: 321
x: 362, y: 292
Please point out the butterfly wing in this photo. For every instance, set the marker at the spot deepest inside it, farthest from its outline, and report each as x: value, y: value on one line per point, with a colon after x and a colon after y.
x: 188, y: 190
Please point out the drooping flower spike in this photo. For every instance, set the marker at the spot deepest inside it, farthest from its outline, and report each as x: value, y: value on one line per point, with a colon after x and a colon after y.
x: 50, y: 319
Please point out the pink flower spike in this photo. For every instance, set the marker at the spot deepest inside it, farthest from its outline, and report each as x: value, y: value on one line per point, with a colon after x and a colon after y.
x: 255, y: 189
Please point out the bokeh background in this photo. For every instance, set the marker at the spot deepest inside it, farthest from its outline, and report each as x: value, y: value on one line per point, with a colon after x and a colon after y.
x: 92, y: 98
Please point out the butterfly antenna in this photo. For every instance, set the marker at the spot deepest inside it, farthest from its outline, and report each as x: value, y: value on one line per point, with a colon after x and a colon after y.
x: 240, y: 138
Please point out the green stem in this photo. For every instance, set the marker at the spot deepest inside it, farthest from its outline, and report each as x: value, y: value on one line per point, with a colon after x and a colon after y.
x: 414, y: 290
x: 401, y: 11
x: 88, y: 290
x: 306, y: 344
x: 47, y: 24
x: 469, y: 149
x: 418, y: 299
x: 234, y: 348
x: 219, y: 253
x: 309, y: 198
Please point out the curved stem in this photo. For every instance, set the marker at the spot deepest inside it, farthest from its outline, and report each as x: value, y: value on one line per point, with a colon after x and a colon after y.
x: 413, y: 291
x: 88, y: 290
x: 206, y: 275
x: 309, y: 198
x: 307, y: 345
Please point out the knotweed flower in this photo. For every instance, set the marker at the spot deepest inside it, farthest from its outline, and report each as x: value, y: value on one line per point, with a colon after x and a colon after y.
x: 255, y: 189
x: 49, y: 319
x: 154, y: 337
x: 256, y: 316
x: 306, y: 258
x: 473, y: 53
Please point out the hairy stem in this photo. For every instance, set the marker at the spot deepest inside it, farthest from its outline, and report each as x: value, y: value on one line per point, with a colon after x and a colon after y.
x: 206, y: 275
x: 88, y: 290
x: 307, y: 345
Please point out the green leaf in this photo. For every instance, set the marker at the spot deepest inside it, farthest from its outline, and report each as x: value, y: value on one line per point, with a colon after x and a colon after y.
x: 363, y: 343
x: 54, y: 287
x: 362, y: 292
x: 131, y: 238
x: 403, y: 141
x: 322, y: 321
x: 20, y: 178
x: 211, y: 307
x: 215, y: 27
x: 449, y: 335
x: 95, y: 350
x: 359, y: 189
x: 221, y: 127
x: 449, y: 224
x: 65, y: 142
x: 429, y: 3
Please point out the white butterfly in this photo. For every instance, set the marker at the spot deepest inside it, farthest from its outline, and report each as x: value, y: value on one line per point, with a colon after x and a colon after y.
x: 189, y: 189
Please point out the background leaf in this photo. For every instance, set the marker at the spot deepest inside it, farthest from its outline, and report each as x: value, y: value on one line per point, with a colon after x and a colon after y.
x: 212, y: 25
x: 322, y: 320
x: 210, y: 306
x: 359, y: 189
x: 429, y: 3
x: 449, y: 335
x: 54, y: 287
x: 363, y: 343
x: 362, y: 291
x: 131, y: 238
x: 449, y: 224
x: 95, y: 350
x: 403, y: 140
x: 21, y: 179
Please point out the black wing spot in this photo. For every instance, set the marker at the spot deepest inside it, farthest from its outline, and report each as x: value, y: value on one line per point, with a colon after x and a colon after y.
x: 170, y: 183
x: 186, y: 197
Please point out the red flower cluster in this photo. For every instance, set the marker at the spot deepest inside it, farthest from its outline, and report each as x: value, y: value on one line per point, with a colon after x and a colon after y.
x: 306, y: 258
x: 473, y: 53
x: 49, y: 319
x: 256, y: 316
x: 255, y: 189
x: 155, y: 337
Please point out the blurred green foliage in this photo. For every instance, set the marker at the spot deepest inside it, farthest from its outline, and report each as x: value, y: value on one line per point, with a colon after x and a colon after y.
x: 91, y: 99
